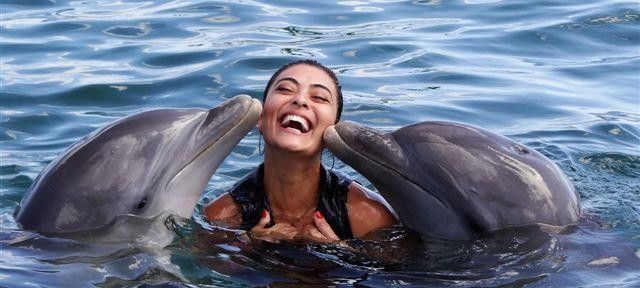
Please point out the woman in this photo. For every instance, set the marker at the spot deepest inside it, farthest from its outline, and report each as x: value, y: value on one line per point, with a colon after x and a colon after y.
x: 291, y: 195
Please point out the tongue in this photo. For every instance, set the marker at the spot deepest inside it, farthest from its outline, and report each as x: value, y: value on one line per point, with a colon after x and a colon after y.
x: 294, y: 125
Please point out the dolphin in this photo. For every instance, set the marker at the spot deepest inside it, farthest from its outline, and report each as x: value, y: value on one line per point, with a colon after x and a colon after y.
x: 144, y: 165
x: 455, y: 181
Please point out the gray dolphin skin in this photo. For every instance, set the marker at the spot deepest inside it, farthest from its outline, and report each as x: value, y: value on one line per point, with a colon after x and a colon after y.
x: 144, y: 165
x: 455, y: 181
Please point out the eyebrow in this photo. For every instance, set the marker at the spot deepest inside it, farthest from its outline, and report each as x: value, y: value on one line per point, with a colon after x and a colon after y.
x: 297, y: 83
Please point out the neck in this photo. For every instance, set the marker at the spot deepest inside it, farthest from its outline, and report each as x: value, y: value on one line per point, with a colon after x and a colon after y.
x: 291, y: 182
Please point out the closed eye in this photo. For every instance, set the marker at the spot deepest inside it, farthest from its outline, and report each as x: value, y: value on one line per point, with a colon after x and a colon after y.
x: 283, y: 89
x: 320, y: 98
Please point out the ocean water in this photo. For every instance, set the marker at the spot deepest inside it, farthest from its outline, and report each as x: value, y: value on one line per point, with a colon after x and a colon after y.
x: 562, y: 77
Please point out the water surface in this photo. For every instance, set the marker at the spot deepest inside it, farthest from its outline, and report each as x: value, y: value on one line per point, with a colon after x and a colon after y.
x: 562, y: 77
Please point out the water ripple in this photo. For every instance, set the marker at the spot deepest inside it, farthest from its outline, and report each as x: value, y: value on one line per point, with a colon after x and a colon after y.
x: 559, y: 76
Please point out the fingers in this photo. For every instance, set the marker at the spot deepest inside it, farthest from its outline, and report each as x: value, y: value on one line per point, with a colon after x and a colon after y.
x: 311, y: 232
x: 279, y: 231
x: 319, y: 231
x: 324, y: 228
x: 284, y: 231
x: 264, y: 221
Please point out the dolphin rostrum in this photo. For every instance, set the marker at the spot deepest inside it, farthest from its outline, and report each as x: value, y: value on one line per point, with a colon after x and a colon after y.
x: 456, y: 181
x: 145, y: 165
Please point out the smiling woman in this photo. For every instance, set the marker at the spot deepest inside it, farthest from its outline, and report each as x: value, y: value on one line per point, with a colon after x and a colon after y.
x: 291, y: 195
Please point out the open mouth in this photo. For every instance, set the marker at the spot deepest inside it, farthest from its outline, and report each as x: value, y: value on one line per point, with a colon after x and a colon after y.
x: 295, y: 122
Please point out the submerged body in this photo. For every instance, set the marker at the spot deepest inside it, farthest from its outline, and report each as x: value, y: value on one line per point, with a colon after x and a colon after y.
x: 143, y: 165
x: 455, y: 181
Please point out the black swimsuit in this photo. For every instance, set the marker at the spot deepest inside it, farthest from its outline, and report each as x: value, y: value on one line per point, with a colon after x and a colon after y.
x: 250, y: 197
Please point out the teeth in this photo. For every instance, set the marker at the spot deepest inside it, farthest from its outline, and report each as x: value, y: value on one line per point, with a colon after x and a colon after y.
x: 296, y: 118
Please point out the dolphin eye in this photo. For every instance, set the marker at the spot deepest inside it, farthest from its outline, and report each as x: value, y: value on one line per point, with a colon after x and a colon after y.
x: 142, y: 203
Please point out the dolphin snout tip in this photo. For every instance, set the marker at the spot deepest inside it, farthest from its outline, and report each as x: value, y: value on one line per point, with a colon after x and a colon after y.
x: 340, y: 134
x: 330, y: 134
x: 243, y: 98
x: 254, y: 105
x: 256, y: 102
x: 346, y: 127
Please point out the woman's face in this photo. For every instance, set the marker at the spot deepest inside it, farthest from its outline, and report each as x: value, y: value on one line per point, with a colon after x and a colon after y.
x: 300, y: 104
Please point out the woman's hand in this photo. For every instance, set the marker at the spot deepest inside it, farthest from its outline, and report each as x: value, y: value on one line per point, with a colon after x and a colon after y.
x: 275, y: 233
x: 320, y: 231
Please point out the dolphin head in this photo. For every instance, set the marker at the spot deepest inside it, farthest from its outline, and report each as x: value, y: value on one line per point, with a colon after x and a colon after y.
x: 144, y: 164
x: 383, y: 160
x: 453, y: 181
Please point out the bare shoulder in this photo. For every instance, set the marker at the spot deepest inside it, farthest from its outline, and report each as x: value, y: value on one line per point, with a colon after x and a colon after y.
x: 223, y: 210
x: 368, y: 211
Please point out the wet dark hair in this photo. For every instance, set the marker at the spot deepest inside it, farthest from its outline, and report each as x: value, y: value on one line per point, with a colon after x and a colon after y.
x: 313, y: 63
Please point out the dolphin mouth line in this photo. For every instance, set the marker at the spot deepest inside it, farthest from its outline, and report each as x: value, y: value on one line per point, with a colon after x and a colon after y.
x: 395, y: 171
x: 244, y: 116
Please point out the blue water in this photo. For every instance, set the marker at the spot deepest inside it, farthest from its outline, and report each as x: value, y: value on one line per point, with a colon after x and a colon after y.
x: 562, y: 77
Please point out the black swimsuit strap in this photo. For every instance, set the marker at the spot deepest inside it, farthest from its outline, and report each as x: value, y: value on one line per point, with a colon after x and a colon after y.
x: 249, y: 195
x: 332, y: 202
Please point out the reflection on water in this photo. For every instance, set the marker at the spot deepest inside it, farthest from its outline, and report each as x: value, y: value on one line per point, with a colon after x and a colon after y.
x: 210, y: 255
x: 561, y: 77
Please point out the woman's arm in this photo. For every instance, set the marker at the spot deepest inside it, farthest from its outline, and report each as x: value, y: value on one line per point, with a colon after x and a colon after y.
x: 223, y: 210
x: 368, y: 211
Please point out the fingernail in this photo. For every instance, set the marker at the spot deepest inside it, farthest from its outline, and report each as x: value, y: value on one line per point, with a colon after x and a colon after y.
x: 264, y: 213
x: 318, y: 215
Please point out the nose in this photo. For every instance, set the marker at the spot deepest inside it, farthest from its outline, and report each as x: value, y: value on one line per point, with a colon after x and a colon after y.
x: 299, y: 100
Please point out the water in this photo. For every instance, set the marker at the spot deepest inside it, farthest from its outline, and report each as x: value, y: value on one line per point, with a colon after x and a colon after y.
x: 562, y: 77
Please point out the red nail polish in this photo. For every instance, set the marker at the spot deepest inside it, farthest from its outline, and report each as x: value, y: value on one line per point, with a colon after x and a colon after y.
x: 318, y: 215
x: 264, y: 213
